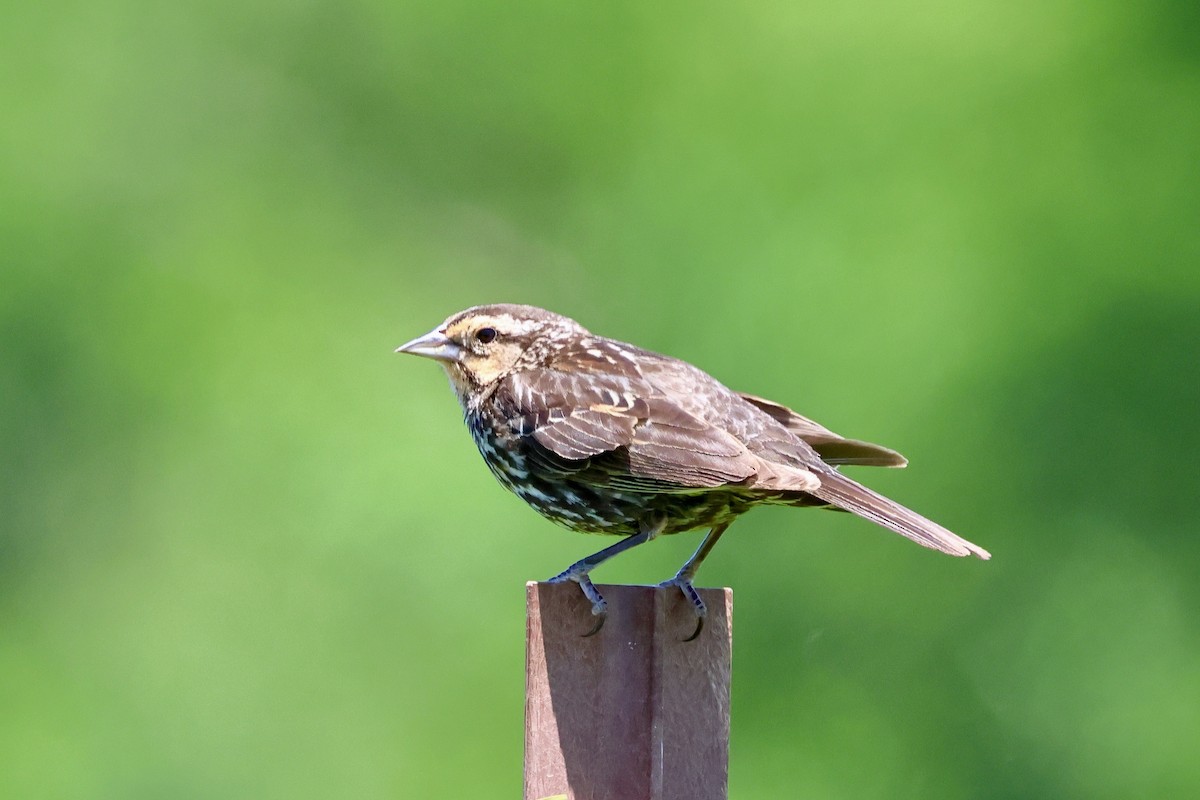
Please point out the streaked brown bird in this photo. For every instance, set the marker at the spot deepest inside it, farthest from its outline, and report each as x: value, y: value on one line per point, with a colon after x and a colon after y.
x: 604, y: 437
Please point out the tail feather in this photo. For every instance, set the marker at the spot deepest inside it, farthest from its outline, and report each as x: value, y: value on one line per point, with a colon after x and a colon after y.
x: 847, y: 494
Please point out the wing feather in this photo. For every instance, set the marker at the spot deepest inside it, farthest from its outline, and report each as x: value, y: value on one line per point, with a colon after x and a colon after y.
x: 582, y: 433
x: 625, y: 429
x: 832, y: 448
x: 698, y: 458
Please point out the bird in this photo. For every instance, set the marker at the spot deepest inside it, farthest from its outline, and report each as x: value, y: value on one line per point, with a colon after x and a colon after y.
x: 604, y: 437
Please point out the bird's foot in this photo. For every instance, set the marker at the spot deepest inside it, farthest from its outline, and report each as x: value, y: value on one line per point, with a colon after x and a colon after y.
x: 689, y: 591
x: 599, y: 605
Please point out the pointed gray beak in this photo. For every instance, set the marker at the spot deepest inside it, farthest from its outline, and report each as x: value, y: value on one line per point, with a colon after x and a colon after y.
x: 433, y: 345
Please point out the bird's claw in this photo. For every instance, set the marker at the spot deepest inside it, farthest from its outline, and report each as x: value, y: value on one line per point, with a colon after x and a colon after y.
x: 601, y: 616
x: 689, y: 591
x: 599, y: 604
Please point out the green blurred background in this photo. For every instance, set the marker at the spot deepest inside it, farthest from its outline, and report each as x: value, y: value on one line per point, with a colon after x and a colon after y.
x: 246, y: 552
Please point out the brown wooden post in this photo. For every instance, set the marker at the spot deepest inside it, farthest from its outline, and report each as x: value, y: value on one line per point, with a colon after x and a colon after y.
x: 634, y: 712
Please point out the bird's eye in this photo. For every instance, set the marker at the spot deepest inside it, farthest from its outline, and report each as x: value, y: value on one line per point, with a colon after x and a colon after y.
x: 485, y: 335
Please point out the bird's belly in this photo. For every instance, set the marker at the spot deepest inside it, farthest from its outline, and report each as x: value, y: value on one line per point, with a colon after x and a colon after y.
x: 595, y: 508
x: 590, y: 509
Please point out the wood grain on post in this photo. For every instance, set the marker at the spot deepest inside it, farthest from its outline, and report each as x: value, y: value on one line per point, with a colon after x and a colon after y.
x: 634, y: 712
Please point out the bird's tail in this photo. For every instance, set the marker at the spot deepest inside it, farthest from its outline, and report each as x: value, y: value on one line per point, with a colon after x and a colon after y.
x: 840, y: 491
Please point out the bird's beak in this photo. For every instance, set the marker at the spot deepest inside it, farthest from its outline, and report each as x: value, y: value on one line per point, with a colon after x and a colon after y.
x: 433, y: 345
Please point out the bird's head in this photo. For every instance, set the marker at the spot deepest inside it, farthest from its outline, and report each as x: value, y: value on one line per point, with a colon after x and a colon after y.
x: 481, y: 345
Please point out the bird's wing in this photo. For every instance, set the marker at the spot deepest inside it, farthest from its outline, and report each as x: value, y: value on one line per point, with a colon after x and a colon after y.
x: 832, y: 448
x: 631, y: 435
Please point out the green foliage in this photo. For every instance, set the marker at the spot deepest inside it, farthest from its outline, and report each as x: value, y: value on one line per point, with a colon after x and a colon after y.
x: 248, y: 552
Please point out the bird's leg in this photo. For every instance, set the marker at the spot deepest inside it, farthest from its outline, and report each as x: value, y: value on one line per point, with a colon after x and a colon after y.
x: 683, y: 578
x: 578, y: 571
